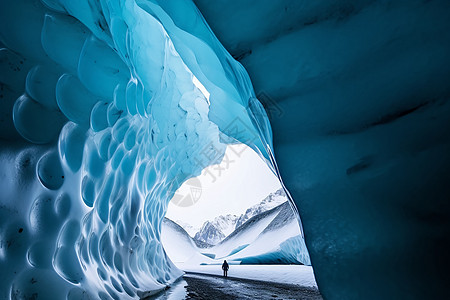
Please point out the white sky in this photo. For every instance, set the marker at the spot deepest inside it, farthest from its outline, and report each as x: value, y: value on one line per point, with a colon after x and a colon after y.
x: 241, y: 180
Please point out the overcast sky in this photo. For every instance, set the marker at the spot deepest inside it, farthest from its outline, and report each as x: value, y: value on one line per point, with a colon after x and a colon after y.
x: 240, y: 181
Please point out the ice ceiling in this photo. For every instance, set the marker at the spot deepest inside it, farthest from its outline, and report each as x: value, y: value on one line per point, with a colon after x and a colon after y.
x: 113, y: 125
x: 101, y: 123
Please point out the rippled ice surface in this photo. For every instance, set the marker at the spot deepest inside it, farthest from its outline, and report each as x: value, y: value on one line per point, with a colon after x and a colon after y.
x: 103, y: 123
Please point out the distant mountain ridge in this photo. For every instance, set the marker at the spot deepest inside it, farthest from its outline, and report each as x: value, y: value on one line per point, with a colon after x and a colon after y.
x: 271, y: 201
x: 191, y: 230
x: 271, y: 237
x: 214, y: 231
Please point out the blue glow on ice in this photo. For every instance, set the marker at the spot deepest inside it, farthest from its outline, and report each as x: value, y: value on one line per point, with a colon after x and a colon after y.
x: 120, y: 102
x: 91, y: 155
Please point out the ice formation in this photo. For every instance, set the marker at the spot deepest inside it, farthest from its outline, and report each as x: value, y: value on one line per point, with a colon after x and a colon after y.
x: 101, y: 122
x: 106, y: 125
x: 358, y: 98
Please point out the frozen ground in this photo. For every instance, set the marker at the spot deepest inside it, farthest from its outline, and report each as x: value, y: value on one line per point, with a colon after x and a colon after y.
x: 202, y: 287
x: 289, y: 274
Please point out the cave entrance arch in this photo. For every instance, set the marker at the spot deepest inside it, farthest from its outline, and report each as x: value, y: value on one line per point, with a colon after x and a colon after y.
x: 235, y: 210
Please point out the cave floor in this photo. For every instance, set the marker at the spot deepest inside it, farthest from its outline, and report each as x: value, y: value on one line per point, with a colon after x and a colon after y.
x: 201, y: 286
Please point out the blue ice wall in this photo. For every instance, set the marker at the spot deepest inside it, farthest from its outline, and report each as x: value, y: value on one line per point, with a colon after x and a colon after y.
x: 101, y: 123
x: 358, y: 98
x: 357, y: 92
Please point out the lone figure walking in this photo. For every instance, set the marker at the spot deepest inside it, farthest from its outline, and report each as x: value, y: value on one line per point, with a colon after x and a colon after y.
x: 225, y: 268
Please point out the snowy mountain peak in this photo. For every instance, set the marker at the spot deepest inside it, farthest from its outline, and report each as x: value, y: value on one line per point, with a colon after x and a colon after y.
x: 213, y: 232
x: 271, y: 201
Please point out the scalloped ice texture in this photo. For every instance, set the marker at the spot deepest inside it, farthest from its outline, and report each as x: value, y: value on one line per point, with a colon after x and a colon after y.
x: 103, y: 94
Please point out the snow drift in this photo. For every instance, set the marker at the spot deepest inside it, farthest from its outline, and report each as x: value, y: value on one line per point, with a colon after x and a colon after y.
x: 214, y: 231
x: 272, y: 237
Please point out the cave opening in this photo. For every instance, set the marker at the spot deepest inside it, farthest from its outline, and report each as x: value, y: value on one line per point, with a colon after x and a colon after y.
x: 236, y: 210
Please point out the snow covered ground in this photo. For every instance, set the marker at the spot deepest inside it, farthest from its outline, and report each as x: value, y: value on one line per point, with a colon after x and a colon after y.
x: 244, y: 235
x: 288, y: 274
x: 187, y: 257
x: 179, y: 246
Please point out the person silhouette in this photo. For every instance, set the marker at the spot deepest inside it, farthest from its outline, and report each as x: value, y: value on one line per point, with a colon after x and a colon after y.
x: 225, y: 268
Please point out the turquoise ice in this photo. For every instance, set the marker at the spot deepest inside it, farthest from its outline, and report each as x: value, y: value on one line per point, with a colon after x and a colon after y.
x: 112, y: 124
x: 101, y: 121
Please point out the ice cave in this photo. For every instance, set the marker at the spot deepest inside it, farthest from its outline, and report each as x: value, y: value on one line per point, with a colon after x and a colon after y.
x: 108, y: 106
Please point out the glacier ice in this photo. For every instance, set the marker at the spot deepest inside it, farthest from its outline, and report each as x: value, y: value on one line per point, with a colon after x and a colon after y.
x: 358, y: 98
x: 101, y: 124
x: 90, y: 155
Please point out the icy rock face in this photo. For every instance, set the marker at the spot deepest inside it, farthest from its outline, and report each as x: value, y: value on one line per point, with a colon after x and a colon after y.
x: 358, y: 96
x: 271, y: 201
x: 214, y: 231
x: 101, y: 123
x: 280, y: 241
